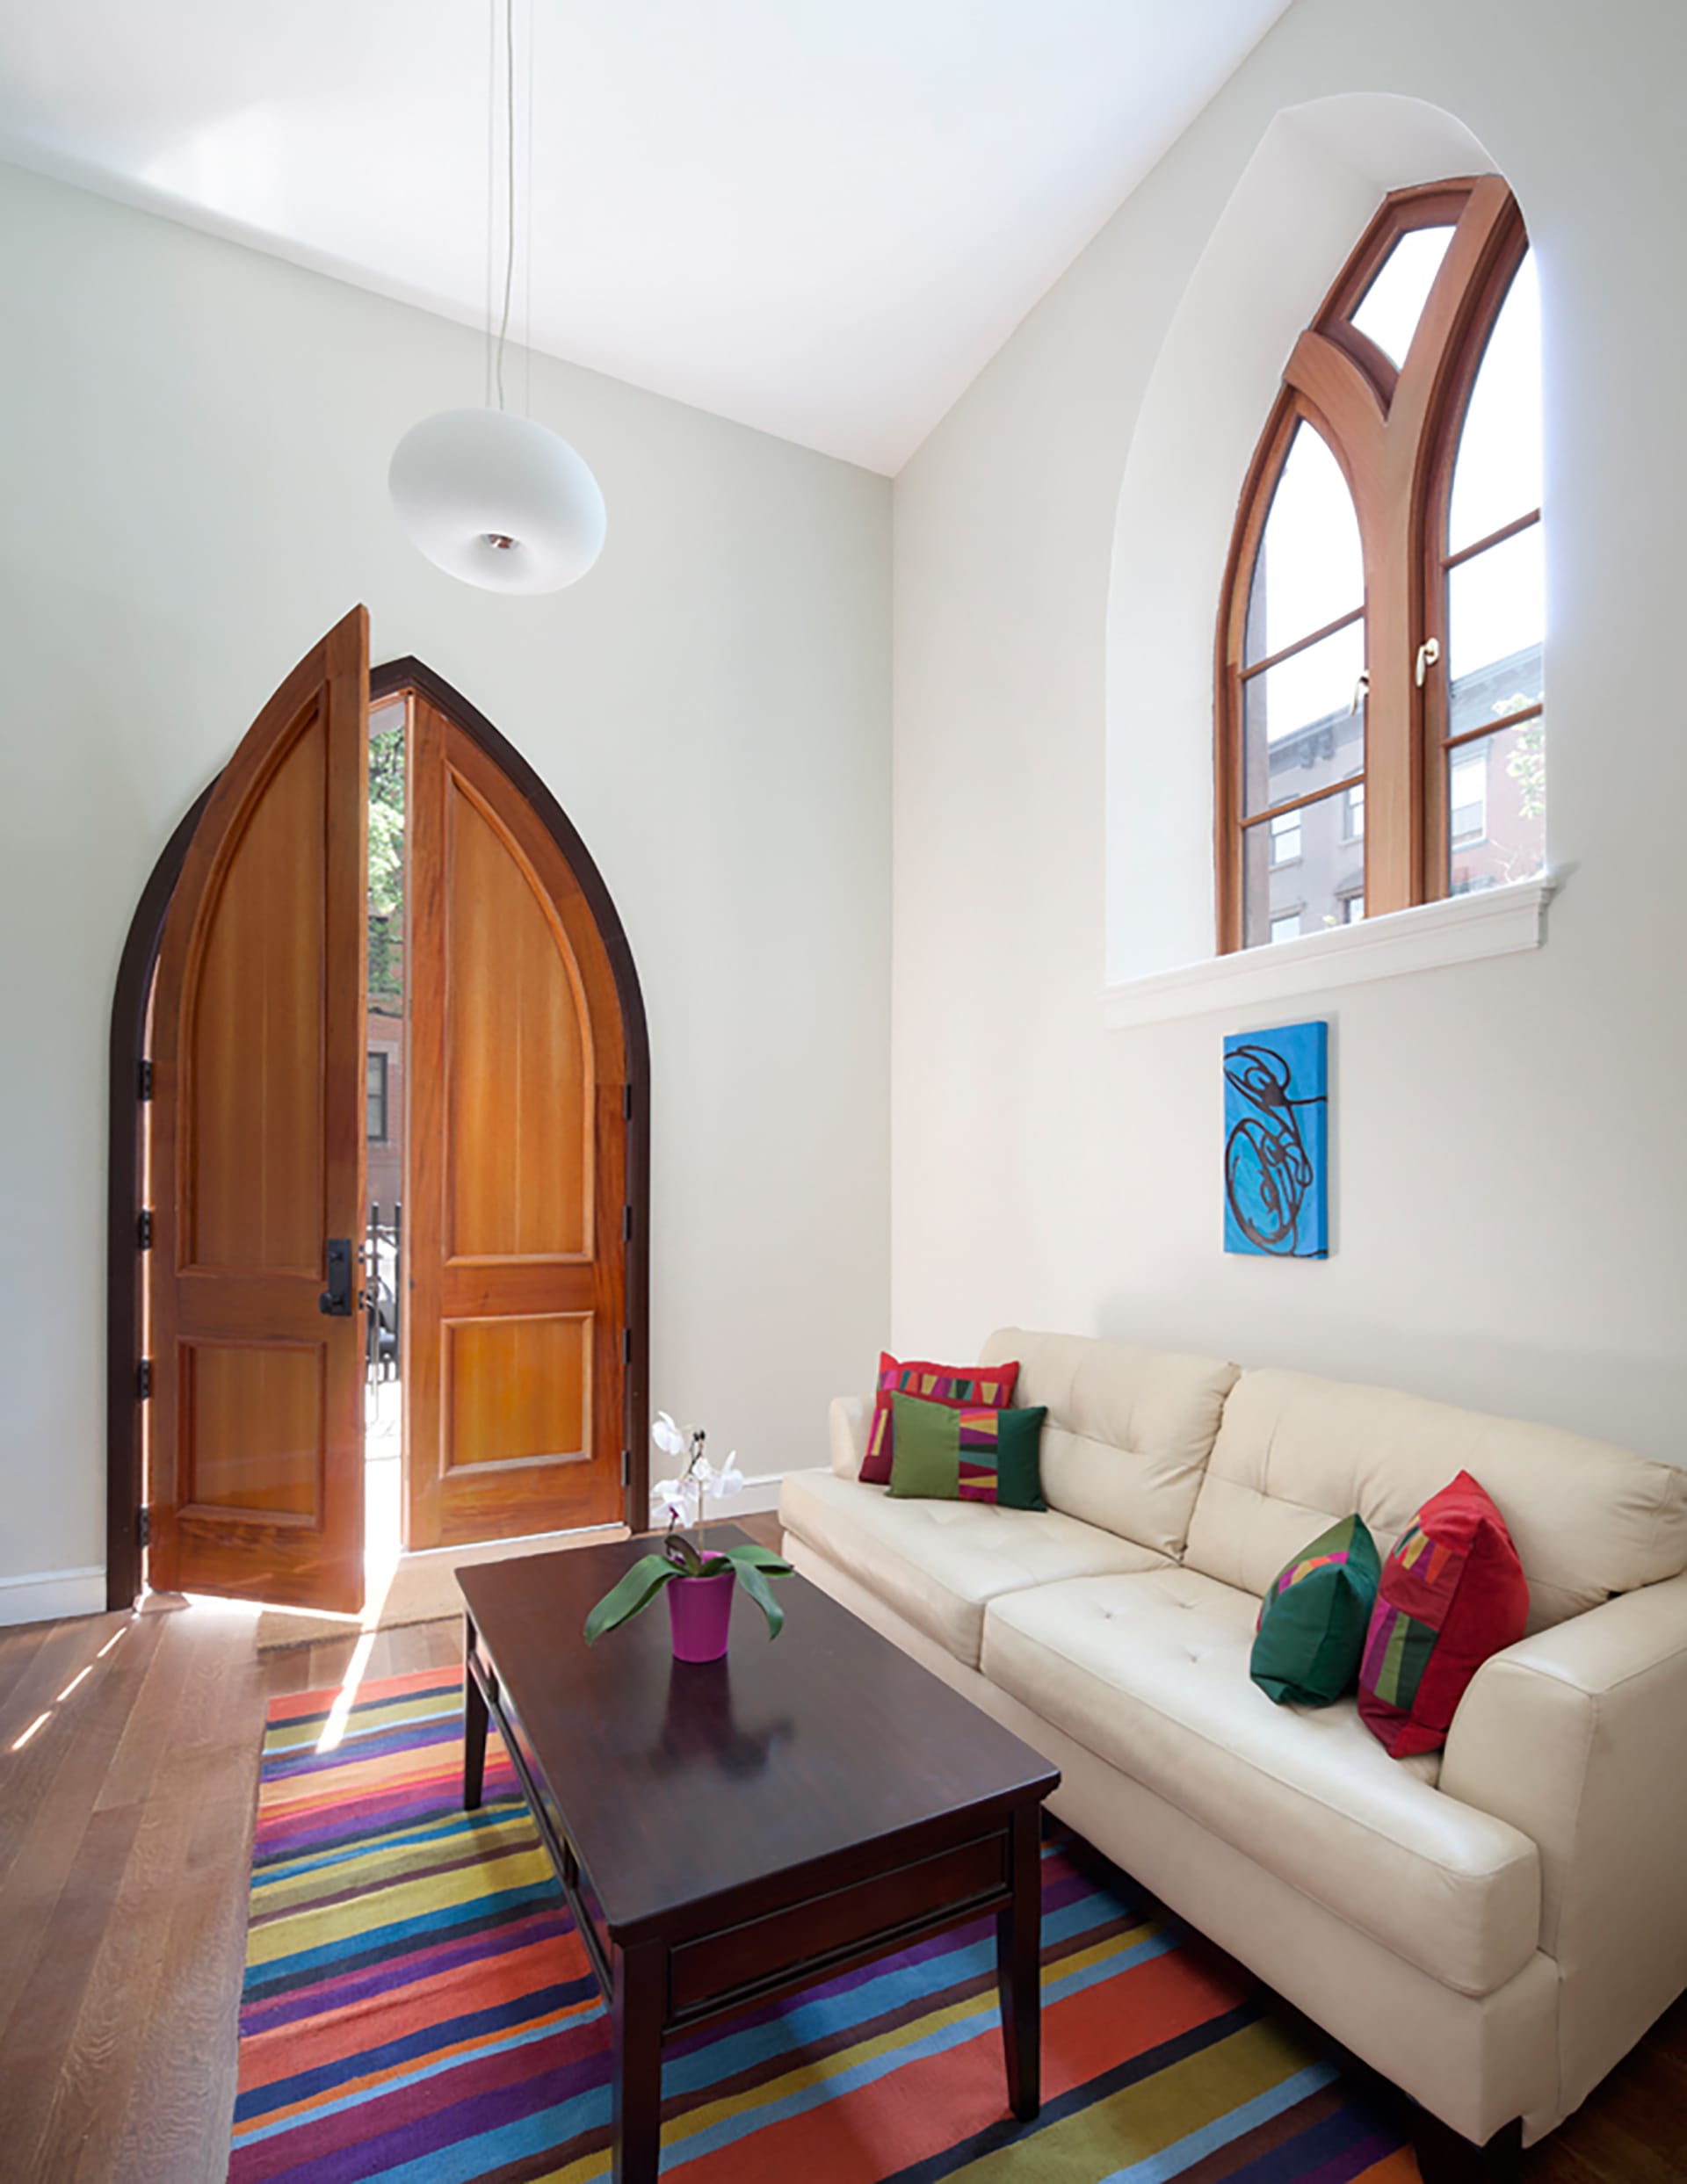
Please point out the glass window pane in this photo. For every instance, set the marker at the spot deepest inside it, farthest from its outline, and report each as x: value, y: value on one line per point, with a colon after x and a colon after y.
x: 1393, y: 303
x: 1311, y: 891
x: 1300, y: 728
x: 1468, y: 796
x: 1496, y: 477
x: 1497, y: 808
x: 1309, y: 569
x: 1496, y: 619
x: 1353, y: 815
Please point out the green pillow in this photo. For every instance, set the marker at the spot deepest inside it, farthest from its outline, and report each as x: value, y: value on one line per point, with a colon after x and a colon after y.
x: 1311, y: 1631
x: 942, y: 1454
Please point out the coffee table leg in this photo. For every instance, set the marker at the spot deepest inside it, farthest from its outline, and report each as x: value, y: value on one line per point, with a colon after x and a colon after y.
x: 1018, y: 1966
x: 636, y: 2025
x: 474, y: 1726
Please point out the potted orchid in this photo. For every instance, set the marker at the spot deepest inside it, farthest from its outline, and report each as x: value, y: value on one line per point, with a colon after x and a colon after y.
x: 699, y: 1585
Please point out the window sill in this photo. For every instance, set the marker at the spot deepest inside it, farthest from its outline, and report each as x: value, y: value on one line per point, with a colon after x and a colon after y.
x: 1464, y: 928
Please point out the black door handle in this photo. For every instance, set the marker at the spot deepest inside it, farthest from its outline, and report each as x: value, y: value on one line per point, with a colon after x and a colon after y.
x: 336, y: 1299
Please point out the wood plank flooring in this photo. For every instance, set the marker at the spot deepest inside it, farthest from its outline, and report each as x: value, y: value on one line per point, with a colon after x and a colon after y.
x: 125, y: 1822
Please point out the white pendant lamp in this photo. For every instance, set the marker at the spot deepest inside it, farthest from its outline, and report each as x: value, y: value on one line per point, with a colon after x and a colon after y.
x: 495, y: 499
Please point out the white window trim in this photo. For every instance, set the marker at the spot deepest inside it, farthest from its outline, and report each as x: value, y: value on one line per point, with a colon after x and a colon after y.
x: 1464, y: 928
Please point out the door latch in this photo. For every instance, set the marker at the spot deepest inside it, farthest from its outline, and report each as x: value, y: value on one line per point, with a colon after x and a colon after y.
x: 336, y: 1299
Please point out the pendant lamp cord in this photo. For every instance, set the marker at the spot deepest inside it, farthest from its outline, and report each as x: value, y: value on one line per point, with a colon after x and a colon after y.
x: 509, y: 190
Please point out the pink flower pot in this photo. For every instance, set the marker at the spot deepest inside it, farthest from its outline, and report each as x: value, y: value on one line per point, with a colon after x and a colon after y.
x: 700, y: 1609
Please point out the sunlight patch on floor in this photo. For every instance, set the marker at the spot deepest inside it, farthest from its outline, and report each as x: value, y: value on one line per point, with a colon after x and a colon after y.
x: 338, y: 1714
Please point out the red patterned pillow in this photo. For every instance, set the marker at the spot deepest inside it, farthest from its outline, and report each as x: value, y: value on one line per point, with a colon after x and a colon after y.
x: 1452, y: 1592
x: 970, y: 1387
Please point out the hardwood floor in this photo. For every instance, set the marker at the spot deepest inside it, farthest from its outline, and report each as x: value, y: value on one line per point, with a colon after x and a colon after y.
x: 125, y: 1826
x: 128, y: 1769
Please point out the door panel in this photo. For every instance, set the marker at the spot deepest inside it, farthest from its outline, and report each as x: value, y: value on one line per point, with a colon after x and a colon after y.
x: 255, y: 1436
x: 252, y: 1434
x: 517, y: 1053
x: 251, y: 1107
x: 518, y: 1389
x: 514, y: 1371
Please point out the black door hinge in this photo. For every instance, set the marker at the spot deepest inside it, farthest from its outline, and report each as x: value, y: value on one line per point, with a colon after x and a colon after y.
x: 143, y: 1230
x: 144, y: 1090
x: 627, y: 1102
x: 143, y: 1379
x: 143, y: 1527
x: 626, y: 1346
x: 626, y: 1469
x: 626, y: 1223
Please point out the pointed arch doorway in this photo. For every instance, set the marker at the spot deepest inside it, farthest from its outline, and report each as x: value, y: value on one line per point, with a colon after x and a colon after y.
x: 246, y: 1279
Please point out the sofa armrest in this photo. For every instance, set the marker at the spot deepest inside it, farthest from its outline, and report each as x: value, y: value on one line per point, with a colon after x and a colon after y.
x: 852, y: 1415
x: 1575, y: 1736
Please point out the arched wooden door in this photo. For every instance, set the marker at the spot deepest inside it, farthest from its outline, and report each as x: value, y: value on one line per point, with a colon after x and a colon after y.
x: 526, y: 1191
x: 519, y: 1205
x: 254, y: 1439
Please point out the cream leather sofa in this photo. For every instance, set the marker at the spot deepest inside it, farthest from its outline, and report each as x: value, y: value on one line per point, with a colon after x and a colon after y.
x: 1492, y: 1926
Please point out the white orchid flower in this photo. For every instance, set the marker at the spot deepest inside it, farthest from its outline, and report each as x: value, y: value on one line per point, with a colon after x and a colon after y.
x: 679, y: 1497
x: 667, y: 1435
x: 728, y: 1481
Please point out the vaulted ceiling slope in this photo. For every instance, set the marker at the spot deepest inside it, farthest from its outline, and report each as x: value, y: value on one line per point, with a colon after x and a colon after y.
x: 819, y: 217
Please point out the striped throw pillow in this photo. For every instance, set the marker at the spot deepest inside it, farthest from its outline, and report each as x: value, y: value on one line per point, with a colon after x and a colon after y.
x: 957, y: 1387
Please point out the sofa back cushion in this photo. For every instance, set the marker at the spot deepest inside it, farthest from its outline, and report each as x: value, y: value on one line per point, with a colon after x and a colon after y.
x: 1129, y: 1429
x: 1293, y: 1453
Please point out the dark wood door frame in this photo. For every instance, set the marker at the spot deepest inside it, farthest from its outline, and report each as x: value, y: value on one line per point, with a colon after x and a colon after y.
x: 125, y: 1390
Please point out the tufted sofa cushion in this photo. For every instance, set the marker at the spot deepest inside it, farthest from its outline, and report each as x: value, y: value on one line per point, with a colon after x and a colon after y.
x: 1294, y: 1453
x: 1149, y: 1672
x: 936, y: 1563
x: 1129, y: 1429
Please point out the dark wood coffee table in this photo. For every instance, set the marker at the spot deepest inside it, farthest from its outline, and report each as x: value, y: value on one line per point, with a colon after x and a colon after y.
x: 724, y: 1833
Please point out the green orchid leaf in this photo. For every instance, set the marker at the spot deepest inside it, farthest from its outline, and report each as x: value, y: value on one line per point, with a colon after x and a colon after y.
x: 762, y: 1592
x: 624, y: 1598
x: 754, y: 1557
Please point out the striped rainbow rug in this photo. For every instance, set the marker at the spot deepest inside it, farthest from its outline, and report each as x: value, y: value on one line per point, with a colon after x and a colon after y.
x: 418, y: 2009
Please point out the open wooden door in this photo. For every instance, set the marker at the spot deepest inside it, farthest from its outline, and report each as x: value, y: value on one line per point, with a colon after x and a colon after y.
x: 255, y: 1441
x: 516, y: 1218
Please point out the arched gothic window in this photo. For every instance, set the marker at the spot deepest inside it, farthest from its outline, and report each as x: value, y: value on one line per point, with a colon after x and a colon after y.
x: 1379, y: 704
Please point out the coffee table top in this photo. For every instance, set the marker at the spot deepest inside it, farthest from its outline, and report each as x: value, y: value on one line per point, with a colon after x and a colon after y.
x: 678, y: 1783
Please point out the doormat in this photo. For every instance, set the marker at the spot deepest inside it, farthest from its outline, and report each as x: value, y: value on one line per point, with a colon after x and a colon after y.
x: 417, y: 2004
x: 422, y: 1589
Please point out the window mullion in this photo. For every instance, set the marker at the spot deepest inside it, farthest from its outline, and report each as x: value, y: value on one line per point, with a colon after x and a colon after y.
x: 1393, y: 833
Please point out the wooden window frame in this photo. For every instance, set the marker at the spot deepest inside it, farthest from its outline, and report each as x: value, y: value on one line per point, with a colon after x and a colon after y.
x: 1394, y: 431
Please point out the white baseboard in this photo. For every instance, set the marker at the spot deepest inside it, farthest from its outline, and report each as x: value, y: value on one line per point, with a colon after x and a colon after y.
x: 46, y: 1595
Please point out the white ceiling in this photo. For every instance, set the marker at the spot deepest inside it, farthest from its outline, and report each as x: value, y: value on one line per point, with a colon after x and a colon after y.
x: 820, y: 217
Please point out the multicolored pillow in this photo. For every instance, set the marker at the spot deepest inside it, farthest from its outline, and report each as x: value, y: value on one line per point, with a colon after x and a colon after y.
x: 947, y: 1455
x: 1452, y: 1592
x: 1312, y: 1624
x: 969, y: 1387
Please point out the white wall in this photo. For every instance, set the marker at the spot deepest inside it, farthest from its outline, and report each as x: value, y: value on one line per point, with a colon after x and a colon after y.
x: 1510, y: 1184
x: 193, y: 441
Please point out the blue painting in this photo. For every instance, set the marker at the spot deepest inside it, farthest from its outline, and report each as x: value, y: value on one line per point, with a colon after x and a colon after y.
x: 1276, y: 1142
